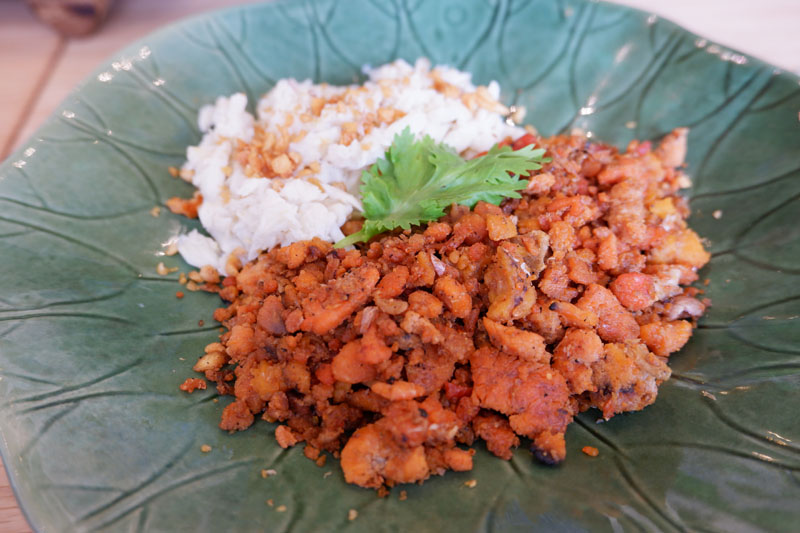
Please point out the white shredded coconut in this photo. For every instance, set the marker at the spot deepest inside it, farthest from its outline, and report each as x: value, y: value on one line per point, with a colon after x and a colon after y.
x: 350, y: 131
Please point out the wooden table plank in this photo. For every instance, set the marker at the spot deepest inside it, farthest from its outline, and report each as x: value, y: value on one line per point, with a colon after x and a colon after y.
x: 11, y: 518
x: 27, y: 52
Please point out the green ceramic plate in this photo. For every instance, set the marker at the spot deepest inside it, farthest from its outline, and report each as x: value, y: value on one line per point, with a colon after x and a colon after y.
x: 93, y: 344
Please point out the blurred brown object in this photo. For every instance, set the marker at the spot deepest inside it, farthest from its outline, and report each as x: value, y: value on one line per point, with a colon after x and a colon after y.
x: 72, y: 17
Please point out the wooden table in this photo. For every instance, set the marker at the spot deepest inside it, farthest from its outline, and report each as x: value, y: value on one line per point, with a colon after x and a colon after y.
x: 38, y: 68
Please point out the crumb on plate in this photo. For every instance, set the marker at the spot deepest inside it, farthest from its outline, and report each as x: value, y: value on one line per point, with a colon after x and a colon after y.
x: 193, y: 384
x: 591, y: 451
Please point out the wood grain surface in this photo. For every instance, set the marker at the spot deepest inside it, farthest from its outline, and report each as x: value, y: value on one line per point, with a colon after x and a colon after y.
x: 38, y: 68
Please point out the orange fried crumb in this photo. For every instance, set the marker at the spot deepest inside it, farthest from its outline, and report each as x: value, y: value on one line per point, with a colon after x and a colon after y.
x: 591, y: 451
x: 193, y: 384
x: 182, y: 206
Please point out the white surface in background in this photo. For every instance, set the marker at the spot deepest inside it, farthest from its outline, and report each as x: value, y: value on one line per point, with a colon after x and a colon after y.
x: 765, y: 29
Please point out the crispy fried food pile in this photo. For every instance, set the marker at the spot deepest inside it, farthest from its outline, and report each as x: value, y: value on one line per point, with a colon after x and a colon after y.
x: 495, y: 323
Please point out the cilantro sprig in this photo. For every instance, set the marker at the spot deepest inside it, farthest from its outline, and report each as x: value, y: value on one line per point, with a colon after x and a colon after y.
x: 418, y: 179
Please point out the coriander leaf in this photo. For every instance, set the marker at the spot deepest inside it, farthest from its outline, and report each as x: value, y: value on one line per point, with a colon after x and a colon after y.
x: 417, y: 180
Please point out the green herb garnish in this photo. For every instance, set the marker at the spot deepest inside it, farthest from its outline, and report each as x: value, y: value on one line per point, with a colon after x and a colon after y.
x: 417, y: 180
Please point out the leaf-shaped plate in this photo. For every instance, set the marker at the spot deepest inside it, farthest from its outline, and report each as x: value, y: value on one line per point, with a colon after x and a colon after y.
x: 93, y: 344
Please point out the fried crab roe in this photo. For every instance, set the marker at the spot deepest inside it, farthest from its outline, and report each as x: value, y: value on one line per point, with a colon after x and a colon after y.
x: 494, y: 323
